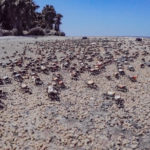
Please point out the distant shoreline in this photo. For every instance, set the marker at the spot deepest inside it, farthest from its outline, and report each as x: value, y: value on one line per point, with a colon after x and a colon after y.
x: 53, y: 38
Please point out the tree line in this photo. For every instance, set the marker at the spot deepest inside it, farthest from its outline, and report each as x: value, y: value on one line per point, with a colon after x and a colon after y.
x: 22, y: 15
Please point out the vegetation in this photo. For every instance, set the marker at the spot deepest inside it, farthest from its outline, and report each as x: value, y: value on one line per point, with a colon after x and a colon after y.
x: 21, y: 15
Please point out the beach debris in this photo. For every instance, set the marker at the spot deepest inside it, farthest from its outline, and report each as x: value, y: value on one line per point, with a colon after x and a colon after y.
x: 3, y: 95
x: 74, y: 75
x: 108, y: 78
x: 54, y: 67
x: 143, y: 60
x: 133, y: 78
x: 38, y: 81
x: 117, y: 97
x: 95, y: 70
x: 44, y: 69
x: 131, y: 68
x: 121, y: 71
x: 58, y: 81
x: 145, y: 53
x: 53, y: 93
x: 91, y: 84
x: 66, y: 64
x: 89, y: 58
x: 122, y: 88
x: 18, y: 77
x: 6, y: 80
x: 93, y: 43
x: 25, y: 88
x: 117, y: 76
x: 57, y: 77
x: 1, y: 82
x: 147, y: 64
x: 139, y: 39
x: 84, y: 38
x: 19, y: 62
x: 61, y: 85
x: 142, y: 65
x: 109, y: 95
x: 120, y: 102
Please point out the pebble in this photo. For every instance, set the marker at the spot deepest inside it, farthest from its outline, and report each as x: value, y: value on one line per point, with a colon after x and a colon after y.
x: 52, y: 93
x: 131, y: 68
x: 23, y: 86
x: 117, y: 97
x: 110, y: 93
x: 121, y: 71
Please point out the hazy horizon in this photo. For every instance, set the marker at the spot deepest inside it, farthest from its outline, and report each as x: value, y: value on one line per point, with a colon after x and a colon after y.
x: 102, y: 17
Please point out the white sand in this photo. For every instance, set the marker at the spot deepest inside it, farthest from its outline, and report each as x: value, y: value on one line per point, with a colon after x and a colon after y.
x: 82, y: 119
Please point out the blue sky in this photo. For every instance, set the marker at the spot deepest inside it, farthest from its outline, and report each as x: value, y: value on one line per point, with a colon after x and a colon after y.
x: 103, y: 17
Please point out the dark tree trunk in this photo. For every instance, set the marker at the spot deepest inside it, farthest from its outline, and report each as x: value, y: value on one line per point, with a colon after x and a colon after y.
x: 57, y: 27
x: 19, y: 27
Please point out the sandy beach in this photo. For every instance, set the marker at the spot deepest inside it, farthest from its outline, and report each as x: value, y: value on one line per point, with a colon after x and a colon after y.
x: 66, y: 93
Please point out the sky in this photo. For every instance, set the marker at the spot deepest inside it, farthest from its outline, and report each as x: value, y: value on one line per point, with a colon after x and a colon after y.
x: 102, y: 17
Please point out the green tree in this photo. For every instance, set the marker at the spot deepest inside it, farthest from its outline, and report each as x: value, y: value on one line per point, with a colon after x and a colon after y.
x: 49, y: 14
x: 58, y: 21
x: 17, y: 14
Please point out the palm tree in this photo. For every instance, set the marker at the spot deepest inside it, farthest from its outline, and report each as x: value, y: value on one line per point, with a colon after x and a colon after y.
x: 17, y: 14
x: 58, y: 21
x: 7, y: 13
x: 49, y: 14
x: 29, y: 14
x: 25, y: 14
x: 22, y: 15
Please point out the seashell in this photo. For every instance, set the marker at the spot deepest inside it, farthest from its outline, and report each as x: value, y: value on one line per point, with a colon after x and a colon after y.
x: 93, y: 43
x: 61, y: 84
x: 23, y: 86
x: 117, y: 97
x: 55, y: 79
x: 43, y: 68
x: 111, y: 93
x: 90, y: 82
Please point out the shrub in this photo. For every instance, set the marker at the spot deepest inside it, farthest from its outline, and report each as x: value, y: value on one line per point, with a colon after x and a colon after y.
x: 36, y: 31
